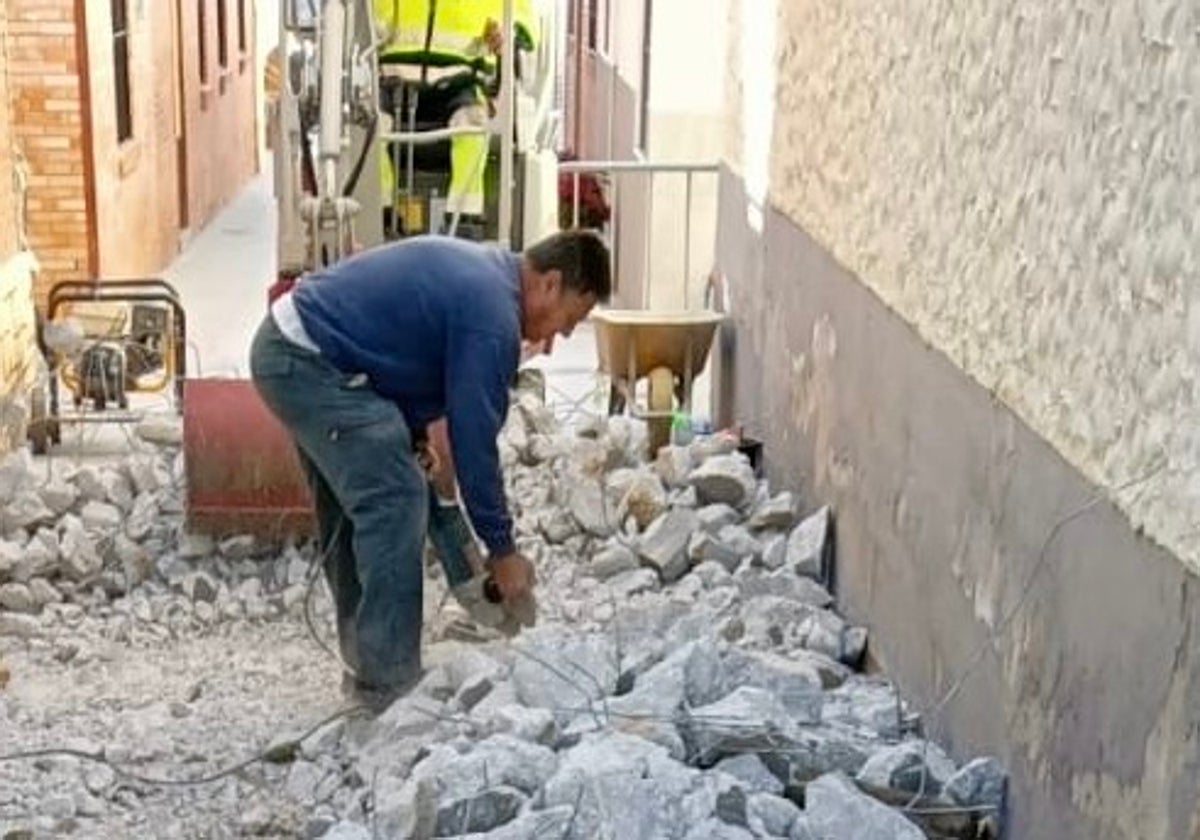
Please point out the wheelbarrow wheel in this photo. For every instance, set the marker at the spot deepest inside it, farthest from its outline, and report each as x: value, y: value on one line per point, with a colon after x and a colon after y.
x: 661, y: 401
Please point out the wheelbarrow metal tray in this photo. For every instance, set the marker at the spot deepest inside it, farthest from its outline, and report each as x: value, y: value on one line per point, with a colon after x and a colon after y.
x: 678, y: 340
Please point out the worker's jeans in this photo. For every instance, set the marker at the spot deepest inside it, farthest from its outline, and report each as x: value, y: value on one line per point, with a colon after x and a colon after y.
x: 371, y: 498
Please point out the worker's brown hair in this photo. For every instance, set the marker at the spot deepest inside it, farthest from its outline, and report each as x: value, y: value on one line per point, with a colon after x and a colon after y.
x: 581, y: 256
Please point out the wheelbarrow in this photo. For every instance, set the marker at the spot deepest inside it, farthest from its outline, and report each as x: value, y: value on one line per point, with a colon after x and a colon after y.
x: 668, y: 349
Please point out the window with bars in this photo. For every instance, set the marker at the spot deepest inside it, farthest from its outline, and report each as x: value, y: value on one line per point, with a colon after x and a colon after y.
x: 243, y: 46
x: 120, y: 43
x: 201, y: 26
x: 223, y: 33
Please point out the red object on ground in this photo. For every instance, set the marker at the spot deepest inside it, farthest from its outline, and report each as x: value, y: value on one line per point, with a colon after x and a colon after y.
x: 243, y: 474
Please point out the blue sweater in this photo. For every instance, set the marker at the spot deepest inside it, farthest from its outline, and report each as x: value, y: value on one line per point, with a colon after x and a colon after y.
x: 435, y: 323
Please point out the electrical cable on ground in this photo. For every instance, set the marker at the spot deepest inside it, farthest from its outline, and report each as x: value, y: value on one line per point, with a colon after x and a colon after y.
x: 280, y: 753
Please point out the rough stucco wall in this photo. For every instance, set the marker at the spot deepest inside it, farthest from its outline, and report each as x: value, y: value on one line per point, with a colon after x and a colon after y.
x: 1016, y: 180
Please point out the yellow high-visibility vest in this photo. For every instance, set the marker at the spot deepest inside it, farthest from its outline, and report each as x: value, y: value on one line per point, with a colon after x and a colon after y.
x: 457, y: 29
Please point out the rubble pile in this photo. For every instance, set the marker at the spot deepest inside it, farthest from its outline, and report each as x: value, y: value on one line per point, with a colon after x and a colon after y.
x: 688, y: 679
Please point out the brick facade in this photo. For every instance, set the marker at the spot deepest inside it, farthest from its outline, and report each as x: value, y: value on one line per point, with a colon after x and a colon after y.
x: 17, y: 349
x: 47, y: 125
x: 106, y: 199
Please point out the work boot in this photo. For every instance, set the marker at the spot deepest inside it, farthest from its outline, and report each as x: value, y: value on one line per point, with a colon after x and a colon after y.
x: 376, y: 698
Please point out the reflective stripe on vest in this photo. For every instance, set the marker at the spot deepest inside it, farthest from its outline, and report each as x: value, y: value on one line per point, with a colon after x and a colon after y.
x: 458, y: 28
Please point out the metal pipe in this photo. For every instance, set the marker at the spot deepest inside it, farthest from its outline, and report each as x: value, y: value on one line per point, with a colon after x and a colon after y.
x: 687, y: 240
x: 333, y: 40
x: 649, y: 240
x: 435, y: 135
x: 575, y: 203
x: 633, y: 166
x: 507, y: 119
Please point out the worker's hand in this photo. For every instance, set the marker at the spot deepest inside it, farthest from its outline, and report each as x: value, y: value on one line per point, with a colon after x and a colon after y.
x: 514, y: 577
x: 493, y: 36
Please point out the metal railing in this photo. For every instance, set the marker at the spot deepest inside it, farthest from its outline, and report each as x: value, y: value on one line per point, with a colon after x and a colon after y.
x: 615, y: 171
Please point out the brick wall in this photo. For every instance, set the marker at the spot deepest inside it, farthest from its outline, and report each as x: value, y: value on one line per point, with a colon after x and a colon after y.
x: 221, y: 113
x: 45, y: 89
x: 8, y: 221
x: 17, y: 348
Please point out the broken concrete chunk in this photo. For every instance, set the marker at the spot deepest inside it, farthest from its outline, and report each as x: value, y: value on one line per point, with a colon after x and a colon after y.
x: 91, y: 488
x: 16, y: 473
x: 117, y: 488
x: 481, y: 812
x: 910, y: 766
x: 980, y: 782
x: 534, y: 725
x: 237, y: 548
x: 19, y: 625
x: 796, y: 684
x: 100, y: 517
x: 645, y: 500
x: 713, y: 518
x: 712, y: 575
x: 499, y: 760
x: 79, y: 560
x: 771, y: 620
x: 148, y: 474
x: 58, y: 495
x: 806, y: 545
x: 683, y: 497
x: 26, y: 512
x: 739, y: 539
x: 616, y: 784
x: 778, y: 513
x: 612, y: 561
x: 200, y: 586
x: 404, y: 809
x: 16, y: 597
x: 774, y: 554
x: 10, y: 557
x: 772, y: 815
x: 838, y: 810
x: 673, y: 465
x: 705, y: 448
x: 634, y: 582
x: 554, y: 668
x: 726, y: 479
x: 44, y: 592
x: 557, y: 525
x: 870, y: 703
x: 717, y: 829
x: 161, y: 429
x: 586, y: 502
x: 705, y: 548
x: 548, y: 824
x: 345, y: 830
x: 746, y: 720
x: 136, y: 563
x: 195, y: 546
x: 754, y: 582
x: 751, y: 770
x: 664, y: 545
x: 142, y: 519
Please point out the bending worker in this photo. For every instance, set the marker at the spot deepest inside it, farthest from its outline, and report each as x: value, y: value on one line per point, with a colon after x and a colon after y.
x: 358, y: 359
x: 449, y: 48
